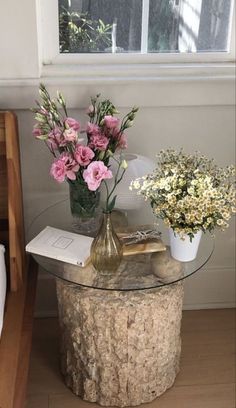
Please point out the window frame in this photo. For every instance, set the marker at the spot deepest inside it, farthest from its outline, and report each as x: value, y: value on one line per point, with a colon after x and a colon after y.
x: 142, y: 83
x: 51, y: 55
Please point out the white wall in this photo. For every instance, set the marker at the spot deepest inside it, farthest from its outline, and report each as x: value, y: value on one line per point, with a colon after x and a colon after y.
x: 188, y: 107
x: 209, y: 129
x: 19, y: 46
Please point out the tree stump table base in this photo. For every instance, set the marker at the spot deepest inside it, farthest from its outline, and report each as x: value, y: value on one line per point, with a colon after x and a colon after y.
x: 119, y: 348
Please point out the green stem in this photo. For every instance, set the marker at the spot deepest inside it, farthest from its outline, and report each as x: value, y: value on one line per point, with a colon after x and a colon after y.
x: 51, y: 150
x: 65, y: 110
x: 116, y: 182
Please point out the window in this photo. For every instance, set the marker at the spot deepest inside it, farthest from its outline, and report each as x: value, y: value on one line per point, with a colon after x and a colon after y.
x: 144, y: 26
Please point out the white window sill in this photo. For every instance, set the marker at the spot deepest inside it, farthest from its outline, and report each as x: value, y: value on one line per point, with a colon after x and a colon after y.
x: 133, y: 73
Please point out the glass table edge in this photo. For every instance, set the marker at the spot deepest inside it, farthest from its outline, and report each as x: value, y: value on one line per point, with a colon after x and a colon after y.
x: 127, y: 289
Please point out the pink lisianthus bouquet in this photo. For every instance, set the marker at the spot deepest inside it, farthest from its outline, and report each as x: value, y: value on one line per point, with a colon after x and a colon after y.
x: 83, y: 153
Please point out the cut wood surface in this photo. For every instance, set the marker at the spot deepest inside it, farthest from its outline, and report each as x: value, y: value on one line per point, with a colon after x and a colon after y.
x: 146, y: 246
x: 152, y: 245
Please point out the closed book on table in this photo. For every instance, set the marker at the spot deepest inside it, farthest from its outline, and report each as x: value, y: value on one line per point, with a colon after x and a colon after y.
x: 62, y: 245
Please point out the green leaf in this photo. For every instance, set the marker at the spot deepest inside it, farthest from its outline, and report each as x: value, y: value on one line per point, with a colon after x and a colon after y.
x: 111, y: 205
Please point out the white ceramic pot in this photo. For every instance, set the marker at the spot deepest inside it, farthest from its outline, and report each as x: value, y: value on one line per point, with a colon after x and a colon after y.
x: 2, y: 285
x: 184, y: 250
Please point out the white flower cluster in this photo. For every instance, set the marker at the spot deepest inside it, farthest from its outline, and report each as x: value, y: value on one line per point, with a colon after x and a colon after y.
x: 189, y: 192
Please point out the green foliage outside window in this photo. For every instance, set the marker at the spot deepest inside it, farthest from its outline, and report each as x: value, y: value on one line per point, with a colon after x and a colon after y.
x: 78, y: 33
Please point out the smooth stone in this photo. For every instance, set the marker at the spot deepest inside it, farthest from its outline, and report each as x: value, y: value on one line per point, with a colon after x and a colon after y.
x: 166, y: 267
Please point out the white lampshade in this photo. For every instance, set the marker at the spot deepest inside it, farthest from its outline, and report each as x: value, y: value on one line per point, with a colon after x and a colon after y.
x: 138, y: 166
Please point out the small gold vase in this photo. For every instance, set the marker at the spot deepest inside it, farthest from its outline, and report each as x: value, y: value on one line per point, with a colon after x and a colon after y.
x: 106, y: 249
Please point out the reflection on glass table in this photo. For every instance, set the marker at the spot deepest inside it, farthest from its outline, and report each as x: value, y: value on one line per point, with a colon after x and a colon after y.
x: 143, y: 271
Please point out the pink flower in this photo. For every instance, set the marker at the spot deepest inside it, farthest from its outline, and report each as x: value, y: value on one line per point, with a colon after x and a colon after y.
x: 98, y: 142
x: 122, y: 144
x: 64, y: 166
x: 72, y: 123
x: 56, y: 138
x: 95, y: 173
x: 115, y: 133
x: 92, y: 128
x: 111, y: 122
x: 83, y: 155
x: 37, y: 132
x: 91, y: 110
x: 70, y: 135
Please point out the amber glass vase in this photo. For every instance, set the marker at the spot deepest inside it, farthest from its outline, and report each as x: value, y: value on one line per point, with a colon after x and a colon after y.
x: 106, y: 250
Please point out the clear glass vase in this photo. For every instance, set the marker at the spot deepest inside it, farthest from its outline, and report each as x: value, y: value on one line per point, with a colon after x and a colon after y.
x: 85, y: 210
x: 106, y: 250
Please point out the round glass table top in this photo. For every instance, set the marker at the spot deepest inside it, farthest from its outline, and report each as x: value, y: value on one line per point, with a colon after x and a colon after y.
x: 136, y: 272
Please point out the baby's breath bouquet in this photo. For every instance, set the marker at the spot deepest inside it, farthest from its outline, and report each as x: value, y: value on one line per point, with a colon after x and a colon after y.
x: 189, y: 192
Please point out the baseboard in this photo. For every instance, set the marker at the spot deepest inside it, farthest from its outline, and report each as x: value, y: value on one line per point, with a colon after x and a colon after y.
x: 200, y: 306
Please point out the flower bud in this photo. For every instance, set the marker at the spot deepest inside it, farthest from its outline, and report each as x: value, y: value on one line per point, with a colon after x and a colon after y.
x: 109, y: 153
x: 101, y: 155
x: 60, y: 98
x: 129, y: 123
x: 131, y: 116
x: 115, y: 111
x: 91, y: 110
x: 124, y: 164
x: 40, y: 117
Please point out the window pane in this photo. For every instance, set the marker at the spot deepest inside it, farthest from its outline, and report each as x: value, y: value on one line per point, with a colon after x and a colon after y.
x: 188, y: 25
x: 144, y: 25
x: 100, y: 25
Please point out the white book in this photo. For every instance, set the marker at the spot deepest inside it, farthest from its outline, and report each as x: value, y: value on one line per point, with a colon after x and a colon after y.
x: 62, y: 245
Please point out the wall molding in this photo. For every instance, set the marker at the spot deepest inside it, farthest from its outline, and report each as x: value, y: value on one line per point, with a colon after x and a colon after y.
x: 155, y: 88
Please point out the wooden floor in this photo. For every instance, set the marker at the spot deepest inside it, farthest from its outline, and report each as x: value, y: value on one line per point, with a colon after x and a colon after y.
x: 206, y: 378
